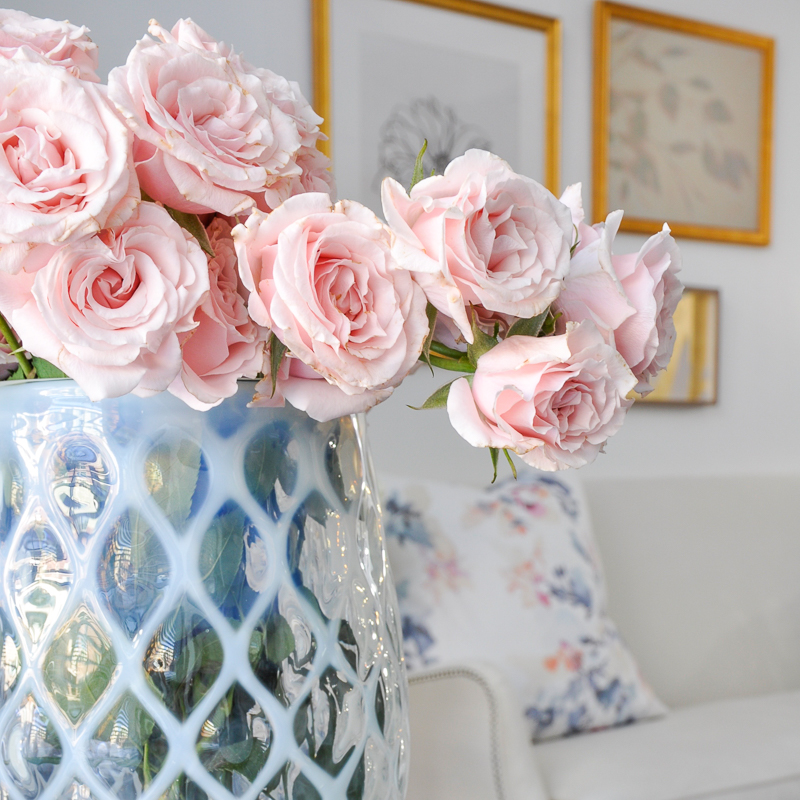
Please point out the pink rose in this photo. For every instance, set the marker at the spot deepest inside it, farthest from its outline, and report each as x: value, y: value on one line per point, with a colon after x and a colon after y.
x: 630, y: 298
x: 323, y: 278
x: 553, y: 400
x: 212, y: 133
x: 226, y: 344
x: 480, y: 234
x: 308, y: 391
x: 58, y: 43
x: 652, y: 287
x: 107, y: 309
x: 66, y: 169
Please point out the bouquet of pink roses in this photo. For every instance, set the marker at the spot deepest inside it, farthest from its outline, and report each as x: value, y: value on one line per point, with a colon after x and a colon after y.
x: 175, y: 231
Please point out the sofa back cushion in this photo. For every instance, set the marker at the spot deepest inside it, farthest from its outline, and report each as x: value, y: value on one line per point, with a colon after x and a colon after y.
x: 511, y: 575
x: 704, y: 580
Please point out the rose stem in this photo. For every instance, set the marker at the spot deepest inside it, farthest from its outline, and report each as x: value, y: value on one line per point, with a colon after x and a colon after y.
x: 16, y: 347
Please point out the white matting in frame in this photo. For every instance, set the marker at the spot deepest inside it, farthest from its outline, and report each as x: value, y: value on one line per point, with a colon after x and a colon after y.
x: 390, y: 73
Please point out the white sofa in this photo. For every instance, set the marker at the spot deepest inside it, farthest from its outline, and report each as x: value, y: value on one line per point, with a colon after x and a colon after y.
x: 704, y: 583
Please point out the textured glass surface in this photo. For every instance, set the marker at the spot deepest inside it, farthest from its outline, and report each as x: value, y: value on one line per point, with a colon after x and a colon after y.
x: 31, y: 750
x: 193, y: 606
x: 79, y: 664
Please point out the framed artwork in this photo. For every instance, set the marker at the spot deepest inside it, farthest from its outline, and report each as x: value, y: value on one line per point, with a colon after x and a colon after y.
x: 682, y: 125
x: 691, y: 375
x: 461, y: 74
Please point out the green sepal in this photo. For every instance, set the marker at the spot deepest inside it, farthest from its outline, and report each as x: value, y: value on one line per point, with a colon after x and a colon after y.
x: 510, y: 463
x: 417, y: 175
x: 44, y: 369
x: 549, y: 327
x: 529, y: 327
x: 191, y: 223
x: 438, y: 399
x: 277, y: 350
x: 482, y: 343
x: 494, y: 453
x: 577, y: 241
x: 431, y: 313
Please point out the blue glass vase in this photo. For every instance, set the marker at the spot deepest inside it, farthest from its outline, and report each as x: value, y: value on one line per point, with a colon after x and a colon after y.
x: 194, y: 606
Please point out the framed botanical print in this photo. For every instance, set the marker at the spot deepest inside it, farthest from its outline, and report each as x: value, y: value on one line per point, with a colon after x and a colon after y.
x: 691, y: 375
x: 682, y: 125
x: 462, y: 74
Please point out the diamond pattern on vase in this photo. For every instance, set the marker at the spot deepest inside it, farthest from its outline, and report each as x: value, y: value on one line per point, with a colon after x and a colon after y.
x: 270, y: 468
x: 12, y: 496
x: 133, y: 572
x: 235, y: 741
x: 31, y: 749
x: 81, y: 481
x: 183, y: 659
x: 282, y: 648
x: 79, y: 664
x: 40, y: 577
x: 318, y: 555
x: 234, y: 564
x: 331, y: 721
x: 185, y: 789
x: 77, y: 791
x: 289, y: 783
x: 176, y: 476
x: 128, y: 749
x: 343, y: 460
x: 10, y: 658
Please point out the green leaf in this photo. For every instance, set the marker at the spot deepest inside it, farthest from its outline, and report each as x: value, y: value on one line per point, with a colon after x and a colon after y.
x: 482, y: 343
x: 529, y: 327
x: 191, y: 223
x: 221, y: 553
x: 549, y: 327
x: 16, y: 375
x: 171, y: 473
x: 494, y: 453
x: 417, y: 175
x: 431, y: 312
x: 510, y: 463
x: 279, y: 639
x: 44, y: 369
x: 438, y: 399
x: 277, y: 350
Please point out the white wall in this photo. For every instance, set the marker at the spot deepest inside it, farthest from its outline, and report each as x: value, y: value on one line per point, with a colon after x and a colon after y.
x: 754, y: 427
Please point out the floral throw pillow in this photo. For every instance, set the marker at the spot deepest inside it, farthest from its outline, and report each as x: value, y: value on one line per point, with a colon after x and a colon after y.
x: 511, y: 574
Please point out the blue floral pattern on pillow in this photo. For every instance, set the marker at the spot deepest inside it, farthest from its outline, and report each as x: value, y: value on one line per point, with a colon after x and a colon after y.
x: 511, y: 574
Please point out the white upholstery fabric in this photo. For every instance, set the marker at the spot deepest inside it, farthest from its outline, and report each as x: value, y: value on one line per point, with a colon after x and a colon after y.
x: 468, y: 739
x: 702, y: 578
x: 742, y: 749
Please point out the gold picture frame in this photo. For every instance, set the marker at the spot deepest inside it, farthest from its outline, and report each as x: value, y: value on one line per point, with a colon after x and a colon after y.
x: 324, y: 55
x: 691, y: 377
x: 682, y: 125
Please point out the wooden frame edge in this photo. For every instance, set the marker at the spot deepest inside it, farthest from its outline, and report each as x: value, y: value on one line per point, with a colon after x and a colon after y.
x: 643, y: 401
x: 550, y: 26
x: 604, y: 11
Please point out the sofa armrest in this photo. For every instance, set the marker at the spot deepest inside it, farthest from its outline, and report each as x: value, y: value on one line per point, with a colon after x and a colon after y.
x: 468, y: 739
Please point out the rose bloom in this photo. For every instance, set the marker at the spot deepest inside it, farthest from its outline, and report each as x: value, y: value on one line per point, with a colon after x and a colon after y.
x: 212, y: 132
x: 632, y: 297
x: 66, y: 169
x: 226, y: 344
x: 108, y: 309
x: 552, y: 400
x: 58, y: 43
x: 323, y: 279
x: 483, y: 235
